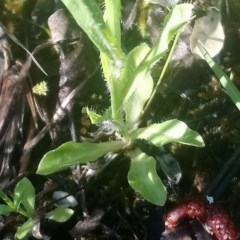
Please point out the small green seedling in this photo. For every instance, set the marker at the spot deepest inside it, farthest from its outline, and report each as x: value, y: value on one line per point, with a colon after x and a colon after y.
x: 131, y: 87
x: 23, y: 203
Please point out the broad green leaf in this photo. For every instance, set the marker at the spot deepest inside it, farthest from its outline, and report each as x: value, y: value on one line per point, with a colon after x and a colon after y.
x: 226, y: 82
x: 121, y: 91
x: 71, y: 153
x: 24, y: 193
x: 134, y: 59
x: 134, y: 106
x: 60, y: 214
x: 136, y: 87
x: 5, y: 209
x: 143, y: 177
x: 112, y: 17
x: 23, y: 230
x: 89, y: 17
x: 169, y: 131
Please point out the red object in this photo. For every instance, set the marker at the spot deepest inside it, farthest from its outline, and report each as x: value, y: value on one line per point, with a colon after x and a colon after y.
x: 214, y: 217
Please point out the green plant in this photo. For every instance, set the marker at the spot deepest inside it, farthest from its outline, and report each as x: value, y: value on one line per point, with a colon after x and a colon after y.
x: 23, y: 203
x: 130, y: 86
x: 226, y: 82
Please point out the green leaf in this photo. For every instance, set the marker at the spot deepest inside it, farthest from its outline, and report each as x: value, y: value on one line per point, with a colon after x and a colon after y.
x: 177, y: 18
x: 226, y: 82
x: 112, y: 17
x: 169, y: 131
x: 7, y: 200
x: 95, y: 117
x: 89, y: 17
x: 60, y: 214
x: 24, y: 193
x: 106, y: 37
x: 71, y: 153
x: 143, y: 177
x: 5, y: 209
x: 136, y: 86
x: 141, y: 59
x: 134, y: 106
x: 23, y: 230
x: 134, y: 59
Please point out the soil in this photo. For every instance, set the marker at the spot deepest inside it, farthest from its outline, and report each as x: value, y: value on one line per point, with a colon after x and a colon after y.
x: 108, y: 207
